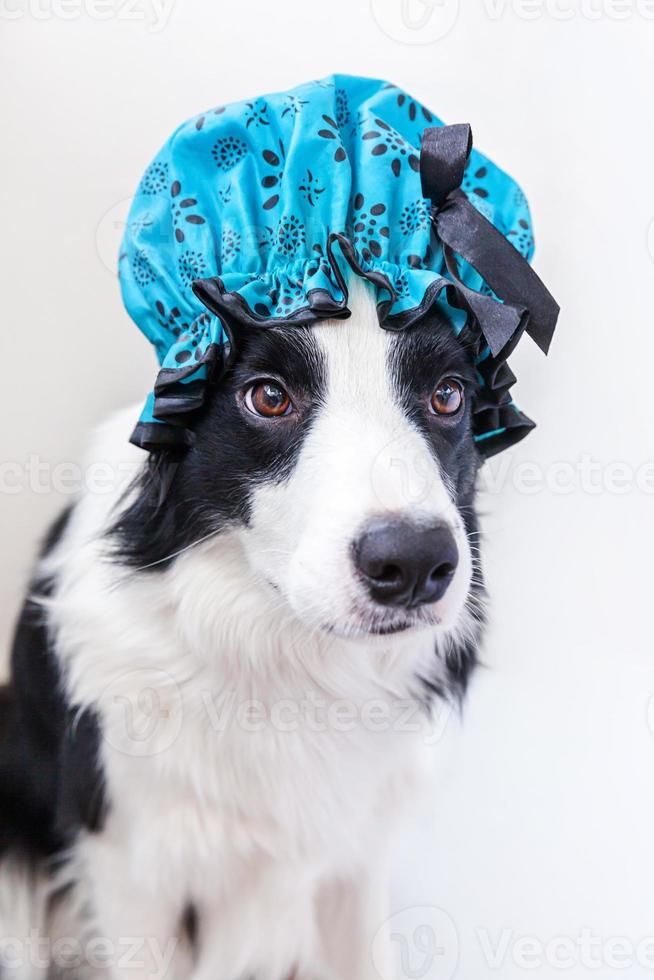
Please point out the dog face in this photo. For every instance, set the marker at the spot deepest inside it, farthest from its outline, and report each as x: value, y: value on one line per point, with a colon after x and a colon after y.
x: 341, y: 457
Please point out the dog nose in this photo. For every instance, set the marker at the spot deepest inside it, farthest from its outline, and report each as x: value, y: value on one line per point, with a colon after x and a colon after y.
x: 404, y: 564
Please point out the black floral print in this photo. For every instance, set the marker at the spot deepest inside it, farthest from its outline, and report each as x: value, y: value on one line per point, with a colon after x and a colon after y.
x: 173, y: 321
x: 361, y: 121
x: 218, y: 111
x: 230, y: 244
x: 154, y: 179
x: 333, y: 134
x: 390, y: 140
x: 191, y: 266
x: 293, y: 105
x: 521, y: 237
x: 225, y: 194
x: 264, y: 238
x: 414, y: 217
x: 228, y: 151
x: 473, y: 181
x: 276, y: 162
x: 182, y: 209
x: 170, y: 321
x: 368, y: 227
x: 290, y: 236
x: 414, y: 108
x: 342, y: 108
x: 142, y: 269
x: 288, y: 296
x: 282, y: 297
x: 311, y: 189
x: 322, y: 264
x: 139, y: 222
x: 262, y: 309
x: 420, y: 261
x: 519, y: 199
x: 257, y: 114
x: 200, y: 324
x: 401, y: 286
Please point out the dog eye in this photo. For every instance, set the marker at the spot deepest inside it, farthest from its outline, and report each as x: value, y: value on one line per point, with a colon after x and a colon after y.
x: 447, y: 399
x: 268, y: 399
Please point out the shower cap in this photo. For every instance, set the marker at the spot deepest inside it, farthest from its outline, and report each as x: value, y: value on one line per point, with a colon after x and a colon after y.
x: 252, y: 214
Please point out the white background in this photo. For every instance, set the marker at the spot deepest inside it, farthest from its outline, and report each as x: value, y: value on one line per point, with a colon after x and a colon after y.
x: 545, y: 816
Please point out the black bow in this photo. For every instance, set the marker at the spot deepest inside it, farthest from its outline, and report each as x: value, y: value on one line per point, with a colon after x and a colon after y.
x: 525, y: 304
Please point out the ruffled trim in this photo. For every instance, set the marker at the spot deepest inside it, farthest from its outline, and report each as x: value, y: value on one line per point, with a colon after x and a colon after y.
x: 193, y: 365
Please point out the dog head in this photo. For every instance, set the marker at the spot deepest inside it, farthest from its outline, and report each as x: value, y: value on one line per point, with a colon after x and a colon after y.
x: 341, y: 458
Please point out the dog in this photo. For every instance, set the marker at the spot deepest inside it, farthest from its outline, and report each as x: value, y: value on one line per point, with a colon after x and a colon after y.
x: 203, y: 766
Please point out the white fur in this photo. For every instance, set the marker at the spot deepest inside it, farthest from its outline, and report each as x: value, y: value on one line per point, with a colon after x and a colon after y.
x: 24, y: 893
x: 362, y: 459
x: 256, y: 764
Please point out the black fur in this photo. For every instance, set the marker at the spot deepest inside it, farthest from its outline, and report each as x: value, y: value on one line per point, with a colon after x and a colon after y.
x: 421, y: 357
x: 50, y: 782
x: 184, y: 497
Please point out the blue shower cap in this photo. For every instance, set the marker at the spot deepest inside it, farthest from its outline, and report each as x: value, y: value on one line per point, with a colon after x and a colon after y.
x: 251, y: 214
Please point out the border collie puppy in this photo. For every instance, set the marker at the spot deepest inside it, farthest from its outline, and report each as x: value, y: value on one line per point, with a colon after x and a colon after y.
x: 205, y: 749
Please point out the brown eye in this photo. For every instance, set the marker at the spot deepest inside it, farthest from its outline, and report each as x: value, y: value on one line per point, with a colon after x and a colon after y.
x: 448, y: 397
x: 268, y: 398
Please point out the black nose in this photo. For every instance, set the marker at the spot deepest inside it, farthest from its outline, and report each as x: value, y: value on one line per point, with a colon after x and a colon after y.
x: 404, y: 564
